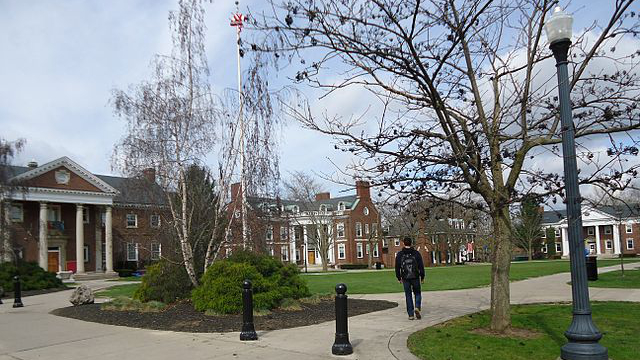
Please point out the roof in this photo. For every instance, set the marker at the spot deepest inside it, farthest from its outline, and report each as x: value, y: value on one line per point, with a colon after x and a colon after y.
x: 331, y: 204
x: 615, y: 211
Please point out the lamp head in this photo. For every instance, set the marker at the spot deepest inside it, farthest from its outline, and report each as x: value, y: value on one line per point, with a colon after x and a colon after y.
x: 559, y: 26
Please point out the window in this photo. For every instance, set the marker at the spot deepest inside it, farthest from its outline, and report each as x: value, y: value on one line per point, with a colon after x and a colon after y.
x: 374, y: 229
x: 340, y: 206
x: 283, y: 232
x: 544, y: 233
x: 359, y: 249
x: 156, y: 251
x: 284, y: 249
x: 608, y: 244
x: 396, y: 242
x: 366, y: 229
x: 341, y: 251
x: 544, y: 248
x: 592, y: 248
x: 557, y: 233
x: 132, y: 251
x: 608, y: 230
x: 297, y: 254
x: 358, y: 229
x: 591, y: 230
x: 340, y: 228
x: 368, y: 248
x: 16, y: 213
x: 53, y: 213
x: 132, y: 220
x: 558, y: 247
x: 296, y: 209
x: 271, y: 252
x: 269, y: 234
x: 85, y: 215
x: 375, y: 251
x: 629, y: 244
x: 629, y: 228
x: 86, y: 253
x: 323, y: 208
x: 385, y: 243
x: 365, y: 211
x: 155, y: 221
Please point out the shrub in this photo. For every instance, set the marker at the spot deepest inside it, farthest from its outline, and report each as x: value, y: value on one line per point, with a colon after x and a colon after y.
x: 165, y: 282
x: 353, y: 266
x: 32, y: 276
x: 124, y: 272
x: 220, y: 289
x: 126, y: 304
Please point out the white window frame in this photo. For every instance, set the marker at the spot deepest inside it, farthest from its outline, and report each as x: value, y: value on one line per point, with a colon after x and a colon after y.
x: 628, y: 228
x: 544, y: 248
x: 297, y: 254
x: 558, y: 247
x: 556, y: 232
x: 341, y: 206
x: 365, y: 211
x: 158, y: 252
x: 591, y: 230
x: 86, y: 253
x: 271, y: 250
x: 544, y: 233
x: 340, y: 230
x: 269, y: 233
x: 608, y: 230
x: 135, y: 219
x: 630, y: 241
x: 157, y: 216
x: 342, y: 252
x: 359, y: 250
x: 396, y: 242
x: 592, y: 248
x: 608, y: 244
x: 284, y: 233
x: 54, y: 213
x: 85, y: 215
x: 284, y: 252
x: 19, y: 207
x: 129, y: 251
x: 376, y: 252
x: 358, y: 229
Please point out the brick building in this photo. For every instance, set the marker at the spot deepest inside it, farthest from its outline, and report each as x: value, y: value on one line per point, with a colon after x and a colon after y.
x: 68, y: 219
x: 608, y: 231
x: 286, y: 228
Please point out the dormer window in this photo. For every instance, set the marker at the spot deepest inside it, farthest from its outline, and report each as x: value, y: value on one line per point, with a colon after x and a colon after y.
x: 340, y: 206
x: 323, y: 208
x: 296, y: 209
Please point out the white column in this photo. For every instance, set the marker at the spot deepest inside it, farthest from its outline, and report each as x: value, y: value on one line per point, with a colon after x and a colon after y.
x: 598, y: 247
x: 305, y: 237
x: 79, y: 240
x: 565, y: 242
x: 108, y: 240
x: 331, y: 256
x: 43, y: 241
x: 98, y: 227
x: 616, y: 239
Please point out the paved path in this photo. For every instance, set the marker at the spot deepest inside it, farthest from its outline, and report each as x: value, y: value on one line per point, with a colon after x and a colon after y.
x: 32, y: 333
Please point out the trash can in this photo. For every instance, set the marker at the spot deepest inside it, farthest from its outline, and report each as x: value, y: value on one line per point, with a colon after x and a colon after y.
x: 378, y: 265
x: 592, y: 268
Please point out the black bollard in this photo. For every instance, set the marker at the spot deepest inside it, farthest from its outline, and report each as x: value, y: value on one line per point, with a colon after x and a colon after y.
x: 341, y: 346
x: 17, y: 301
x: 248, y: 332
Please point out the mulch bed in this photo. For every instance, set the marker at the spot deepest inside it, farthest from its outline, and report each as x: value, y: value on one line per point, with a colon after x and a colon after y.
x: 183, y: 317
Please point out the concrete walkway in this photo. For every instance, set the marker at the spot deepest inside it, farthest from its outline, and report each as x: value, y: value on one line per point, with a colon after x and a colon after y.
x: 32, y: 333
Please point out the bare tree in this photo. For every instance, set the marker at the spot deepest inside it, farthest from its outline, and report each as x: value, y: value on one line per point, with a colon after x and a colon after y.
x: 302, y: 188
x: 8, y: 150
x: 469, y: 94
x: 528, y: 227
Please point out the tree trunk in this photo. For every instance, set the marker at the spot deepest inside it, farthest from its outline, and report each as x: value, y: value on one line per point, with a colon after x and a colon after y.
x: 501, y: 263
x: 530, y: 251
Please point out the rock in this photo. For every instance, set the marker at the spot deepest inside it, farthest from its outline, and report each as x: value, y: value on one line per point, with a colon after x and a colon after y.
x: 82, y: 295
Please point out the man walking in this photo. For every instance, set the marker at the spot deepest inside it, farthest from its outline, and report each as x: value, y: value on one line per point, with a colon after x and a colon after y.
x: 410, y: 273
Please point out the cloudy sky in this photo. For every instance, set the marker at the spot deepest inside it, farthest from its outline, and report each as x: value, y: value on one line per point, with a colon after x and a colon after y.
x: 60, y: 60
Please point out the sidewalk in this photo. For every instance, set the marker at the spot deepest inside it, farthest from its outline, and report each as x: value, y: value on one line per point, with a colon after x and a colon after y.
x: 32, y: 333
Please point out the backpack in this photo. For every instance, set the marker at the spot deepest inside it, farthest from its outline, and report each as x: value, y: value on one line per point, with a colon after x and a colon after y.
x: 409, y: 267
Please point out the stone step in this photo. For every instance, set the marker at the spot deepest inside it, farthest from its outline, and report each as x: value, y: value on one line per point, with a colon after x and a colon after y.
x: 94, y: 276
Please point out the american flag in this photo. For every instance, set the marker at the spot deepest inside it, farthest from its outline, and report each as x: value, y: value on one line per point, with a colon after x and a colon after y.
x: 237, y: 20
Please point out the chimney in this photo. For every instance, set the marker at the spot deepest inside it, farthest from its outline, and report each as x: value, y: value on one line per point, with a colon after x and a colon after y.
x: 323, y: 196
x: 149, y: 174
x: 32, y: 164
x: 235, y: 191
x: 362, y: 189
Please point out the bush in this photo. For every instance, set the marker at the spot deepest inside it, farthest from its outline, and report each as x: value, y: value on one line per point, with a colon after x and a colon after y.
x: 32, y: 276
x: 220, y: 289
x: 124, y: 272
x: 126, y: 304
x: 353, y: 266
x: 165, y: 282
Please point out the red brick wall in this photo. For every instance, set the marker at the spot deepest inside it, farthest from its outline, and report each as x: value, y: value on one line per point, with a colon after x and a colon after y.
x: 48, y: 180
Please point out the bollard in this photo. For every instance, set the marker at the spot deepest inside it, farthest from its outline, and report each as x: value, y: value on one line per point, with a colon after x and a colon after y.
x: 17, y: 301
x: 248, y: 332
x: 341, y: 345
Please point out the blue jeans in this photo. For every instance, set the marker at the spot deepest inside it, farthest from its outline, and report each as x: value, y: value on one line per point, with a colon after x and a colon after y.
x: 412, y: 286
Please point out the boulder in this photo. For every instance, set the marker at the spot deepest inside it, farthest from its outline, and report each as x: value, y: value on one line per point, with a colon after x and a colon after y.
x: 82, y: 295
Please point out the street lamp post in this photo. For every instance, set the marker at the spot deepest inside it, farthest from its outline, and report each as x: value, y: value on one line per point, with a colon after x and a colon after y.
x: 582, y: 334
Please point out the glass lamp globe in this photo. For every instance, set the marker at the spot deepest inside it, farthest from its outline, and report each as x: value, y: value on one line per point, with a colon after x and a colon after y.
x: 559, y: 26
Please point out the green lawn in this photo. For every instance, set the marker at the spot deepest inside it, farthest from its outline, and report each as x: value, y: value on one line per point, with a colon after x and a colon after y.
x: 128, y: 278
x: 126, y: 290
x: 618, y: 321
x: 631, y: 280
x: 437, y: 278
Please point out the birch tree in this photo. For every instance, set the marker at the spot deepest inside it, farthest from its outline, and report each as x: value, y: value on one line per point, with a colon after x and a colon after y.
x: 8, y: 149
x: 471, y: 93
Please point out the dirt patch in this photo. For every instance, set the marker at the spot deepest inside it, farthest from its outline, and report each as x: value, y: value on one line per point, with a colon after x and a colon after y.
x: 183, y: 317
x: 516, y: 333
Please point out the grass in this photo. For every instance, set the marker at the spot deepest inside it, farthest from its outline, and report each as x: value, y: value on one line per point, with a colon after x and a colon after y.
x: 122, y: 303
x: 618, y: 321
x: 126, y: 290
x: 128, y: 278
x: 631, y: 280
x: 437, y: 278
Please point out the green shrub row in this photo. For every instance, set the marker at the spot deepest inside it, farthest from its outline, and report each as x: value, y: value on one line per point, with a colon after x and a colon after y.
x: 353, y: 266
x: 32, y: 276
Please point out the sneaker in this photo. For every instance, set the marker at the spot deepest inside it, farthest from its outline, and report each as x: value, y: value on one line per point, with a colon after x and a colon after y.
x: 411, y: 317
x: 418, y: 315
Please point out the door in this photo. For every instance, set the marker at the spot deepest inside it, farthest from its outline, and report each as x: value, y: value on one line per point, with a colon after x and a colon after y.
x: 312, y: 257
x: 54, y: 261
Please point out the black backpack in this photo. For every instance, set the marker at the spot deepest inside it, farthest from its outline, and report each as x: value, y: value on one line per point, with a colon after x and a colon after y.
x: 409, y: 267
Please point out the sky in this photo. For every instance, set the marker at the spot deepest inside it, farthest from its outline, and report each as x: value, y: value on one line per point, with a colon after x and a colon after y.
x: 61, y: 60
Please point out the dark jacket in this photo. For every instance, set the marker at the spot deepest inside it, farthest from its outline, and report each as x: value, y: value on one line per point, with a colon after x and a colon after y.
x: 418, y: 258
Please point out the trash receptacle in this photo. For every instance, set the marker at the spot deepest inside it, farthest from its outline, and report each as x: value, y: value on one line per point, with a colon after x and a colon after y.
x: 592, y: 268
x: 378, y: 265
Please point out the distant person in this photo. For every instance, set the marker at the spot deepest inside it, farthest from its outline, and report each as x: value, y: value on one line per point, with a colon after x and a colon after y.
x: 410, y: 273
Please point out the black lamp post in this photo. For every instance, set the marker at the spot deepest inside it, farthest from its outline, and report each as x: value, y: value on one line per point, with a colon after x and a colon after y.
x: 582, y: 334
